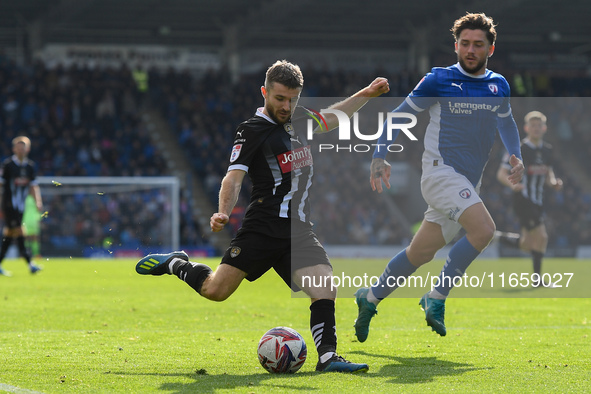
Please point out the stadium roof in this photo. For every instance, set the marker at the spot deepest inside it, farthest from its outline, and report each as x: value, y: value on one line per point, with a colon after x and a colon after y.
x: 548, y: 26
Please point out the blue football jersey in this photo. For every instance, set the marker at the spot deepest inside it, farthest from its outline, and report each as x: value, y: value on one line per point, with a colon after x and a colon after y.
x: 465, y: 113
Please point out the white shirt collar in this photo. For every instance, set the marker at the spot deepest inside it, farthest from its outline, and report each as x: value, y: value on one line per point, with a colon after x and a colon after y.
x: 466, y: 73
x: 262, y: 115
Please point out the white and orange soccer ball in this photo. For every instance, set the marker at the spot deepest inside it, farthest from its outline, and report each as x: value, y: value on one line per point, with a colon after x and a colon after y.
x: 282, y: 350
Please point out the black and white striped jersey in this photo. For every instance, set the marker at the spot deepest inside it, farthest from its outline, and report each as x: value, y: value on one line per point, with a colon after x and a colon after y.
x: 17, y: 177
x: 279, y: 162
x: 538, y: 161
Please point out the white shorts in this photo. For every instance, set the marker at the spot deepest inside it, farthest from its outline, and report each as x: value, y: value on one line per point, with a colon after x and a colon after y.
x: 448, y: 195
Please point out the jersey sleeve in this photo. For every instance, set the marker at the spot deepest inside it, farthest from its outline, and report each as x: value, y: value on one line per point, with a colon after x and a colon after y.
x: 505, y: 109
x: 509, y: 135
x: 246, y: 143
x: 33, y: 173
x: 424, y: 94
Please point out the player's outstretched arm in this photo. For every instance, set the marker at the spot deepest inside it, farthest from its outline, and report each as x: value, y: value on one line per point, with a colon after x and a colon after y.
x: 35, y: 191
x: 354, y: 103
x: 229, y: 193
x: 380, y: 172
x: 552, y: 181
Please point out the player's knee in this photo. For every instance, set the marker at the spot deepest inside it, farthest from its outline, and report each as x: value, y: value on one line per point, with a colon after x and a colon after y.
x: 215, y: 293
x: 481, y: 238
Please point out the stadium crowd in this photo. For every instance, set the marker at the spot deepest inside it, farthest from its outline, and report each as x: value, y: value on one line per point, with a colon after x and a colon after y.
x: 86, y: 122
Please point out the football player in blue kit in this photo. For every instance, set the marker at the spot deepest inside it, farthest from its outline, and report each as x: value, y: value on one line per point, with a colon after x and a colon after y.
x: 467, y: 103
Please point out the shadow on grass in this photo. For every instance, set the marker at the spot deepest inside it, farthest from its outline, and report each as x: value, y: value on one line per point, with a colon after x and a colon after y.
x: 409, y: 370
x: 205, y: 383
x: 404, y: 370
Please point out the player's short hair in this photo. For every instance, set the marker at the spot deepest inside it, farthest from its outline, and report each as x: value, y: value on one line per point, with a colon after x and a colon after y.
x: 535, y: 115
x: 475, y: 21
x: 285, y: 73
x: 21, y: 139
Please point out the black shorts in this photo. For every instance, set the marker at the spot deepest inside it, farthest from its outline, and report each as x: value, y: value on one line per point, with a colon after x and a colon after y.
x: 530, y: 215
x: 13, y: 218
x: 256, y: 253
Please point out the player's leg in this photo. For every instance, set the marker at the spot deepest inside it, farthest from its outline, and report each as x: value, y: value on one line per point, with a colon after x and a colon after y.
x: 539, y: 243
x: 249, y: 256
x: 19, y: 235
x: 322, y: 308
x: 480, y: 230
x: 458, y: 206
x: 507, y: 238
x: 215, y: 286
x: 426, y: 242
x: 6, y: 241
x: 521, y: 208
x: 31, y: 230
x: 222, y: 283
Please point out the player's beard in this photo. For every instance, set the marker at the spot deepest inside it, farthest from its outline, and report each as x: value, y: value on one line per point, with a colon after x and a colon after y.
x: 273, y: 115
x: 476, y: 68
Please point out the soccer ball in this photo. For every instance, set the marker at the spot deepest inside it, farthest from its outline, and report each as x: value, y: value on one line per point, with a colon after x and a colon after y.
x: 282, y: 350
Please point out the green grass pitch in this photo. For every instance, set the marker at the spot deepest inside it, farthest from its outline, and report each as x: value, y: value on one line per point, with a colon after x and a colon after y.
x: 95, y: 326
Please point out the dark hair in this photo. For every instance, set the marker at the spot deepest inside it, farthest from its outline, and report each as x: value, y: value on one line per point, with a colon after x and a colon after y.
x: 285, y: 73
x: 475, y: 22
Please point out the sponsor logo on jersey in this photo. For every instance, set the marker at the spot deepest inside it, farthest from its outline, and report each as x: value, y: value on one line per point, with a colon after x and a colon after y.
x: 493, y: 88
x: 457, y: 85
x: 235, y: 152
x: 465, y: 194
x: 21, y: 181
x: 537, y: 169
x: 295, y: 159
x: 468, y: 108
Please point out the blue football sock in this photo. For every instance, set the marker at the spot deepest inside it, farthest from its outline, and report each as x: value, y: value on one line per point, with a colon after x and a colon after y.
x: 398, y: 267
x: 460, y: 257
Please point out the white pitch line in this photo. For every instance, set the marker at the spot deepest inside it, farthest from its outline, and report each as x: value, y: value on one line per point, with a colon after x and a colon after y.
x: 17, y: 390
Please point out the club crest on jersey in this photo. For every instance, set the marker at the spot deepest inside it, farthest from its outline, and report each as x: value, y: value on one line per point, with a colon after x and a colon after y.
x: 493, y: 88
x: 465, y: 194
x: 235, y: 152
x: 235, y: 251
x: 289, y: 128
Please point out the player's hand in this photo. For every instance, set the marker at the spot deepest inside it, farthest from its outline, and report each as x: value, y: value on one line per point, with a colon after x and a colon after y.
x: 380, y: 172
x: 218, y: 221
x: 518, y: 187
x: 517, y: 169
x: 378, y: 87
x: 558, y: 184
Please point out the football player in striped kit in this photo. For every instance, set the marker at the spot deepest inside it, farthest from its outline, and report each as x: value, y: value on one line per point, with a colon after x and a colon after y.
x: 529, y: 193
x: 18, y: 180
x: 276, y: 232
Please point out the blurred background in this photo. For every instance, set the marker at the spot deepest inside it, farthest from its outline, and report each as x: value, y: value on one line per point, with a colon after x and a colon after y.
x: 153, y: 88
